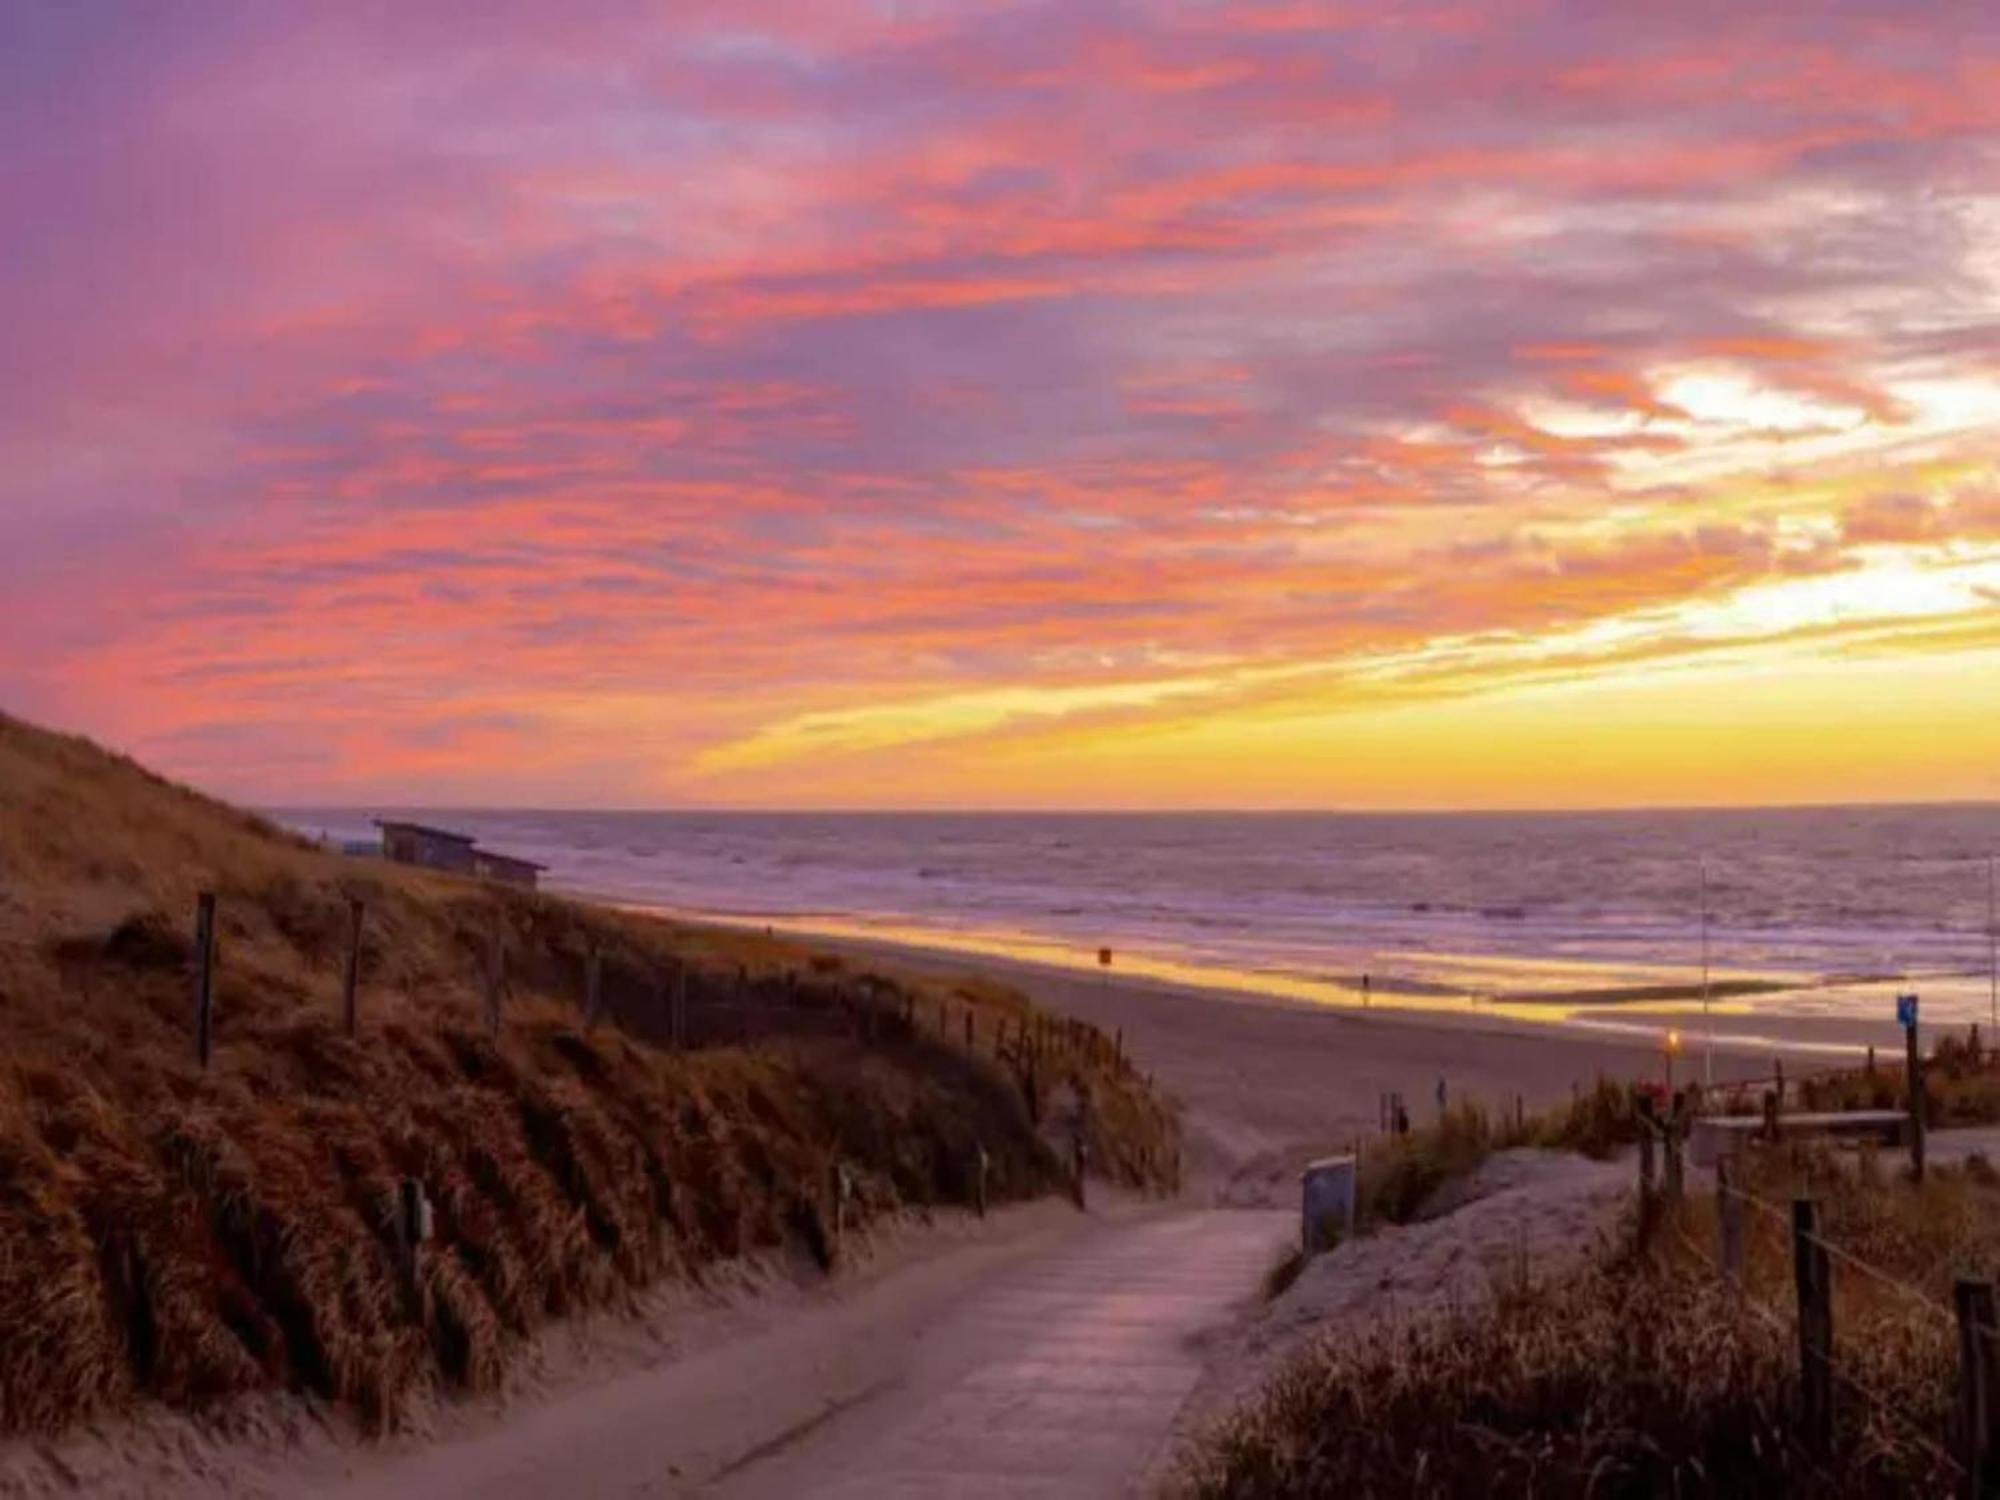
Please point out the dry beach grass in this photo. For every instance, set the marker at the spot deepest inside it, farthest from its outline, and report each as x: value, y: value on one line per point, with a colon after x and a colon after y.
x: 1634, y: 1375
x: 187, y: 1235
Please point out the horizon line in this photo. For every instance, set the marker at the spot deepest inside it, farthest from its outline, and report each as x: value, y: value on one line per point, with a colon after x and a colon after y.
x: 1511, y: 810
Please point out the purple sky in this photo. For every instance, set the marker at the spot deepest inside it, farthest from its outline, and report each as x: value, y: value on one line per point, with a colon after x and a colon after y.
x: 1038, y: 403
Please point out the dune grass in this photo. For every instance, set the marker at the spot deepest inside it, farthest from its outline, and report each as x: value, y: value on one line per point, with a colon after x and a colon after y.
x: 184, y: 1236
x: 1961, y: 1083
x: 1644, y: 1376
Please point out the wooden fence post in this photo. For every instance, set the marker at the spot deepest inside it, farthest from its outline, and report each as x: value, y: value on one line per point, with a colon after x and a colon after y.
x: 1648, y: 1202
x: 351, y: 980
x: 1914, y: 1075
x: 1675, y: 1127
x: 1978, y: 1398
x: 840, y: 1190
x: 1076, y: 1165
x: 1778, y: 1080
x: 496, y: 978
x: 204, y: 975
x: 413, y: 1231
x: 1770, y: 1116
x: 413, y: 1214
x: 1728, y: 1225
x: 1812, y: 1276
x: 981, y: 1163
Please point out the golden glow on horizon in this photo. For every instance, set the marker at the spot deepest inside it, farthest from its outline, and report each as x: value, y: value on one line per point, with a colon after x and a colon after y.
x: 1700, y: 701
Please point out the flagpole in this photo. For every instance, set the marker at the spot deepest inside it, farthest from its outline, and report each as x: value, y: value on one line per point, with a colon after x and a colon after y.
x: 1708, y: 1052
x: 1992, y: 945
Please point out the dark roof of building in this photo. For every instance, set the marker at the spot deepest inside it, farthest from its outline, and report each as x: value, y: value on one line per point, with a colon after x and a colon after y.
x: 425, y: 829
x: 507, y: 859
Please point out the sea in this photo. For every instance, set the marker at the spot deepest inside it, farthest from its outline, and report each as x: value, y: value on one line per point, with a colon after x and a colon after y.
x: 1803, y: 911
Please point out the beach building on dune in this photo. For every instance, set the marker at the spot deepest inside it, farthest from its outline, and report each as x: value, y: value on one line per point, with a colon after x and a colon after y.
x: 407, y: 843
x: 506, y: 867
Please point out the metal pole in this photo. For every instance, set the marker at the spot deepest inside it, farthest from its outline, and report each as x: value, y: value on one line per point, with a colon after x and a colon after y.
x: 1708, y: 1051
x: 1914, y: 1084
x: 1992, y: 943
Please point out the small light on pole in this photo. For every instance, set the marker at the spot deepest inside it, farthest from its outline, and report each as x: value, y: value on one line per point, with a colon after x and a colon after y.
x: 1673, y: 1046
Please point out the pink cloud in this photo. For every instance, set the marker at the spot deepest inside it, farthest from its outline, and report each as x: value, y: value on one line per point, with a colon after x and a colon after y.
x: 726, y: 355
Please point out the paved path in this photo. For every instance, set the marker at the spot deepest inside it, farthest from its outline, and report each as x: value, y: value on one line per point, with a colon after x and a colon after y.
x: 1060, y: 1377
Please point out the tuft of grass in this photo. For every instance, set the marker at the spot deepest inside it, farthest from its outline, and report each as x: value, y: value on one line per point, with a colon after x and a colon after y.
x: 187, y: 1236
x: 1597, y: 1123
x: 1400, y: 1175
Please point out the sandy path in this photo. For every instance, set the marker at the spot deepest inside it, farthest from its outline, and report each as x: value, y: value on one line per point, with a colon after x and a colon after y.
x: 1061, y: 1378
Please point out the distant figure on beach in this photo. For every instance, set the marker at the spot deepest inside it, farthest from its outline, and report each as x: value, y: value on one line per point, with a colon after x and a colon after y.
x: 1364, y: 990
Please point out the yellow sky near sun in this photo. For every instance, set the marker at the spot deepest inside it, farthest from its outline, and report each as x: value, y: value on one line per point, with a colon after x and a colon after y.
x: 1877, y: 681
x: 1766, y: 726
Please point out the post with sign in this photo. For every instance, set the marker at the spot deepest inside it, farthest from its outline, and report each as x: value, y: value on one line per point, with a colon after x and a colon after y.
x: 1906, y: 1017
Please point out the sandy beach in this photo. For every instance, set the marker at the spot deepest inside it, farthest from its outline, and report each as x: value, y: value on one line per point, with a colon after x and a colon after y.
x: 1266, y: 1084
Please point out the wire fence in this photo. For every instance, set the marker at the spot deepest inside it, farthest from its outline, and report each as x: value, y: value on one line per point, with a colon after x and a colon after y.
x: 1915, y: 1427
x: 684, y: 1004
x: 1973, y: 1319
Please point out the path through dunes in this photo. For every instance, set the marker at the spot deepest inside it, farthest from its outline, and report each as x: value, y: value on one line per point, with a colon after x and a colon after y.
x: 1061, y: 1378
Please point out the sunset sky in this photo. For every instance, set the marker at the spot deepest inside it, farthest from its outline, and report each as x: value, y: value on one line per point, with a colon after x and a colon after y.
x: 1074, y: 404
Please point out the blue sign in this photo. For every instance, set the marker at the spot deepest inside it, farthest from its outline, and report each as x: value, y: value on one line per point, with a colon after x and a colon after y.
x: 1906, y: 1011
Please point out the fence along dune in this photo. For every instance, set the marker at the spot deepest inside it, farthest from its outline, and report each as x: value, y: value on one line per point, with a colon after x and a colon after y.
x: 1821, y: 1322
x: 185, y: 1234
